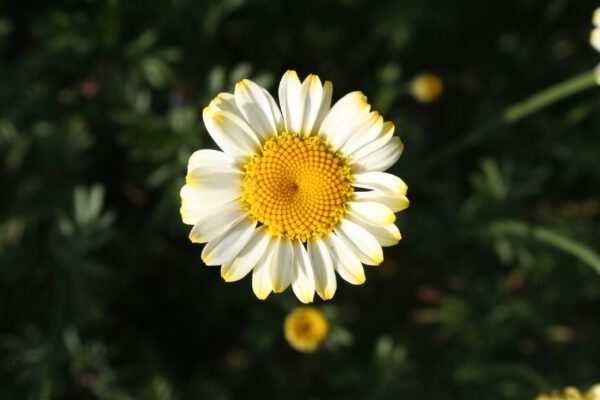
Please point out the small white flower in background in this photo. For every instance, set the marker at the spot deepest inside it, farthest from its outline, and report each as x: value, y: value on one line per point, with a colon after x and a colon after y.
x: 595, y: 38
x: 296, y: 194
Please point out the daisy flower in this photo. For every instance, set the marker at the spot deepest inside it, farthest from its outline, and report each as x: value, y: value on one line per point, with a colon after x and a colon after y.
x: 595, y: 38
x: 305, y: 328
x: 296, y: 193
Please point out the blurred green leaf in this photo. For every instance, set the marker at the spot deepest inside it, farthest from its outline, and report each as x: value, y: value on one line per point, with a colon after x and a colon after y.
x: 549, y: 237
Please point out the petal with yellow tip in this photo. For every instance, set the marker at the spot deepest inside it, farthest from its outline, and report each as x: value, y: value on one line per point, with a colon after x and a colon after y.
x: 303, y: 282
x: 282, y: 264
x: 227, y: 246
x: 255, y: 104
x: 346, y: 262
x: 395, y: 202
x: 360, y: 241
x: 382, y: 181
x: 211, y: 226
x: 383, y: 137
x: 230, y: 133
x: 311, y: 98
x: 248, y: 257
x: 371, y: 213
x: 345, y: 110
x: 383, y: 158
x: 388, y: 235
x: 289, y: 98
x: 325, y: 282
x: 261, y: 274
x: 364, y: 134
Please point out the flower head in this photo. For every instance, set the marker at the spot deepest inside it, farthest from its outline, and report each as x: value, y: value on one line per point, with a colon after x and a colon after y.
x: 426, y: 88
x: 295, y: 194
x: 305, y: 328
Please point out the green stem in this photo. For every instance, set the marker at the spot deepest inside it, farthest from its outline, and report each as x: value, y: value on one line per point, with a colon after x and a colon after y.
x: 516, y: 112
x: 549, y: 237
x: 549, y: 96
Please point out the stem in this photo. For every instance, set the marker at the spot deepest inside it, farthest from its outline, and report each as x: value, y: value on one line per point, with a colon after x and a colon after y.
x: 516, y: 112
x: 549, y: 237
x: 549, y: 96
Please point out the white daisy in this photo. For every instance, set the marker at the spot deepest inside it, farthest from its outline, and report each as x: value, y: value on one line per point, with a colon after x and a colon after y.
x: 296, y: 194
x: 595, y: 39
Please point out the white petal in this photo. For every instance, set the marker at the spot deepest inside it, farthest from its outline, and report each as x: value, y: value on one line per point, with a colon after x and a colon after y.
x: 209, y: 197
x: 276, y: 112
x: 303, y: 282
x: 345, y: 110
x: 596, y: 17
x: 289, y: 98
x: 247, y: 258
x: 226, y: 247
x: 261, y: 276
x: 325, y: 106
x: 211, y: 226
x: 366, y: 157
x: 357, y: 117
x: 383, y: 158
x: 361, y: 242
x: 253, y: 101
x: 395, y: 202
x: 282, y: 264
x: 364, y: 134
x: 231, y: 133
x: 346, y: 262
x: 388, y: 235
x: 311, y: 94
x: 195, y: 203
x: 384, y: 136
x: 325, y: 282
x: 595, y: 39
x: 214, y: 178
x: 371, y: 213
x: 382, y: 181
x: 226, y: 102
x: 209, y: 158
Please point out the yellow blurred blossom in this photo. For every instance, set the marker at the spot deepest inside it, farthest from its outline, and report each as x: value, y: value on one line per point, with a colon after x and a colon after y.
x: 305, y: 328
x: 595, y: 39
x: 571, y: 393
x: 426, y: 88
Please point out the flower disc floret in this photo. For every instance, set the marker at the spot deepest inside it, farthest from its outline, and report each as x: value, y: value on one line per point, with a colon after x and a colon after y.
x: 297, y: 187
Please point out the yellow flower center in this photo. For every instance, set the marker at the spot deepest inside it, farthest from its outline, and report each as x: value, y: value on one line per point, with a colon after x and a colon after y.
x: 297, y: 187
x: 305, y: 328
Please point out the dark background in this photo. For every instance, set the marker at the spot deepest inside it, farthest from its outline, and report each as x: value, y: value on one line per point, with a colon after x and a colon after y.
x: 493, y: 293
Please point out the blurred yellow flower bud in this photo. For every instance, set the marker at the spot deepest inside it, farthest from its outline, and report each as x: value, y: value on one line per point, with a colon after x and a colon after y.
x: 571, y: 393
x: 595, y: 38
x: 594, y: 392
x: 305, y: 328
x: 426, y: 88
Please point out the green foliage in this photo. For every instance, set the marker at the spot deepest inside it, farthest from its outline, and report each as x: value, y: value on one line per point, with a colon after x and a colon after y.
x: 492, y: 294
